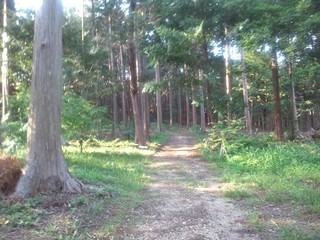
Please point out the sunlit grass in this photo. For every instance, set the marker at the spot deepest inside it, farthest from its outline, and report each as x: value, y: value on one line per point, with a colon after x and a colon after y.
x: 116, y: 172
x: 262, y: 170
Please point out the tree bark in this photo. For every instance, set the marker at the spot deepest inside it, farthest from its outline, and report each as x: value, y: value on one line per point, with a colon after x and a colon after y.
x: 124, y: 86
x: 187, y: 111
x: 179, y: 107
x: 294, y: 113
x: 4, y: 66
x: 202, y: 112
x: 134, y: 91
x: 46, y: 168
x: 114, y: 94
x: 194, y: 106
x: 228, y: 74
x: 145, y: 103
x: 276, y: 94
x: 187, y: 102
x: 158, y: 99
x: 316, y: 109
x: 170, y: 104
x: 207, y: 83
x: 146, y: 116
x: 247, y: 113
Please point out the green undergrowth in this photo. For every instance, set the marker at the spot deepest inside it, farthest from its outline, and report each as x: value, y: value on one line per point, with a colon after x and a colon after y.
x: 262, y: 170
x: 116, y: 174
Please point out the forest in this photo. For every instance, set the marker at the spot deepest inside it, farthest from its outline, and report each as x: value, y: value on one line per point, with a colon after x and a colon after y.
x: 252, y: 62
x: 242, y: 76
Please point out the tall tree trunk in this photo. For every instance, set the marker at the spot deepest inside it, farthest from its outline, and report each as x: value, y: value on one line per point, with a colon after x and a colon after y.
x: 179, y: 107
x: 228, y: 73
x: 134, y: 91
x: 207, y: 83
x: 194, y: 106
x: 4, y: 66
x: 145, y: 103
x: 247, y: 113
x: 202, y: 112
x: 124, y: 86
x: 111, y: 68
x: 187, y: 101
x: 187, y: 111
x: 276, y: 94
x: 294, y: 113
x: 146, y: 116
x: 46, y: 168
x: 158, y: 99
x: 316, y: 109
x: 170, y: 104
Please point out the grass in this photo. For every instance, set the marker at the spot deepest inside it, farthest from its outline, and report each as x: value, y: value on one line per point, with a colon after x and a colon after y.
x: 261, y: 170
x: 115, y: 168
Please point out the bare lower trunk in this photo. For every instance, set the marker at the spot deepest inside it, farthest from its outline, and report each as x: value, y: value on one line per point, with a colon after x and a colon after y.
x: 145, y: 103
x: 294, y: 113
x: 228, y: 74
x: 139, y: 136
x: 124, y: 86
x: 316, y: 112
x: 202, y: 113
x: 158, y: 100
x: 187, y: 112
x: 194, y: 106
x: 179, y: 107
x: 146, y: 116
x: 4, y: 66
x: 247, y: 113
x: 134, y: 91
x: 276, y: 95
x: 170, y: 104
x: 46, y: 168
x: 114, y: 95
x: 208, y: 89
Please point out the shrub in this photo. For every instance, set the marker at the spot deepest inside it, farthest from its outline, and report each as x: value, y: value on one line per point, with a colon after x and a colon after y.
x: 80, y: 117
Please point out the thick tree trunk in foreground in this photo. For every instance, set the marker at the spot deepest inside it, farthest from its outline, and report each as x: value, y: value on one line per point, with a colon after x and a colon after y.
x: 139, y: 136
x: 46, y: 168
x: 4, y: 66
x: 276, y: 95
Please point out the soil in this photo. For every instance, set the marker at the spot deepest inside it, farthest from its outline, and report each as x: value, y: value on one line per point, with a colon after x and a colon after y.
x: 184, y: 200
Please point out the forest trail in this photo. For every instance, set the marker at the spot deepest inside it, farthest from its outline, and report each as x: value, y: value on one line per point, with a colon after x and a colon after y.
x: 183, y: 200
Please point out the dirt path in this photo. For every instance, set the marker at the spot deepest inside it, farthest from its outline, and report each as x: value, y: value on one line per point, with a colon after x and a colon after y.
x: 183, y: 200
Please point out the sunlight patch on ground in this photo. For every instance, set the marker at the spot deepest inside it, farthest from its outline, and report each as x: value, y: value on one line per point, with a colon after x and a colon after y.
x: 179, y: 151
x: 209, y: 188
x: 162, y: 164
